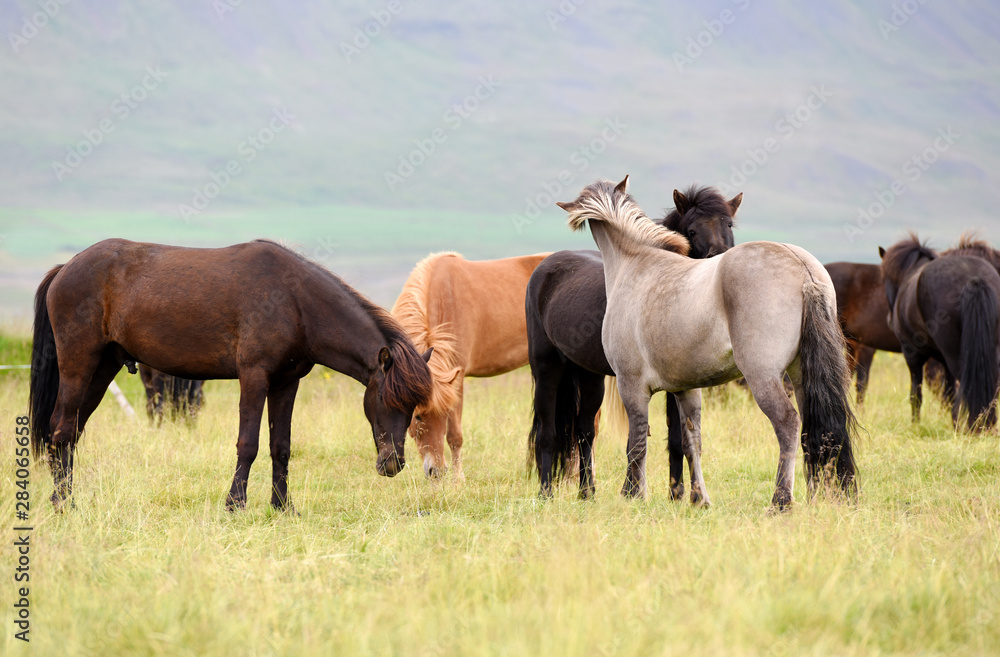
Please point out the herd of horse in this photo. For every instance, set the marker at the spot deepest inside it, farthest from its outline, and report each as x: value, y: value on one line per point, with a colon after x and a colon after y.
x: 669, y: 305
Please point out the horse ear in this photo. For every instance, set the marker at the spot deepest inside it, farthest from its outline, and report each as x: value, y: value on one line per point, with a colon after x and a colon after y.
x: 734, y: 204
x: 384, y: 359
x: 623, y: 185
x: 680, y: 202
x: 568, y: 206
x: 881, y: 252
x: 427, y: 355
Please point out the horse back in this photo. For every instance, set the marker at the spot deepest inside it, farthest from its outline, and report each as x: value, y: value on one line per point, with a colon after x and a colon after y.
x: 481, y: 302
x: 192, y: 312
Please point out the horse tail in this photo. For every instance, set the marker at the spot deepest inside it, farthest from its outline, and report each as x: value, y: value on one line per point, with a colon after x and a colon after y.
x: 827, y: 419
x: 978, y: 376
x: 614, y: 409
x: 567, y: 407
x: 43, y: 388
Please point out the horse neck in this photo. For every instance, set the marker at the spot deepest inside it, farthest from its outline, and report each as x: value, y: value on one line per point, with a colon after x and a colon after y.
x: 616, y: 251
x: 342, y: 334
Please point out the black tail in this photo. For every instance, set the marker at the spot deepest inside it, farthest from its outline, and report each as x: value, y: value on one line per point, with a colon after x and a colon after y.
x: 978, y: 377
x: 44, y: 386
x: 827, y: 420
x: 567, y: 408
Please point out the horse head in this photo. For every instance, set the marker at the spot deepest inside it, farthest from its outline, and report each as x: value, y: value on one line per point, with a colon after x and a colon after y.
x: 900, y: 261
x: 705, y: 218
x: 397, y: 386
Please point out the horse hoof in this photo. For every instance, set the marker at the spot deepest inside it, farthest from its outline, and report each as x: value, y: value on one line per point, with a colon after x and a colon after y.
x: 677, y: 493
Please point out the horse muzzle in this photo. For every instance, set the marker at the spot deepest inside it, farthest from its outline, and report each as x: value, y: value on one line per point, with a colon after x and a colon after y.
x: 389, y: 464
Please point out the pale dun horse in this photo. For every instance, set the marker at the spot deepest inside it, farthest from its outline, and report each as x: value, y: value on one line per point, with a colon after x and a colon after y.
x: 761, y: 309
x: 472, y: 313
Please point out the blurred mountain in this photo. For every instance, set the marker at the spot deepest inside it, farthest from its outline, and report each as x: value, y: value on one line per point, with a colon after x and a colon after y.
x: 181, y: 119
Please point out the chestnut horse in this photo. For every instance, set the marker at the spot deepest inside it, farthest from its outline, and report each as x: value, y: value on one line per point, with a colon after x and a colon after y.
x: 947, y: 308
x: 472, y: 314
x: 565, y: 307
x: 760, y: 309
x: 256, y: 312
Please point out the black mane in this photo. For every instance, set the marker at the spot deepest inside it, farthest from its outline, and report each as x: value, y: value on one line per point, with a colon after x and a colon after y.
x: 706, y: 200
x: 901, y: 256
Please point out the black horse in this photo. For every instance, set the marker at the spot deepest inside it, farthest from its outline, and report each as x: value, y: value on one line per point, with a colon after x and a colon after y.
x: 565, y: 306
x: 256, y: 312
x: 179, y: 398
x: 947, y: 308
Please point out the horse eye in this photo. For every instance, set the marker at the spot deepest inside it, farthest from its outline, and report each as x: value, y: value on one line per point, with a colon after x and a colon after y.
x: 730, y: 223
x: 418, y: 418
x: 691, y: 233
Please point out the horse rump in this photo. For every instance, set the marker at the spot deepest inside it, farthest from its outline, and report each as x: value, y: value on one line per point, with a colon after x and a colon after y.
x: 978, y: 354
x: 827, y: 419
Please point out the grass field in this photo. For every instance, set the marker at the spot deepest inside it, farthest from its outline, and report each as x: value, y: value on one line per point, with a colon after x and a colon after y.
x: 149, y: 563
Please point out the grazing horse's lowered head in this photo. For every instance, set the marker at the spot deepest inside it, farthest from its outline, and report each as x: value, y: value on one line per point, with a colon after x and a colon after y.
x: 705, y: 217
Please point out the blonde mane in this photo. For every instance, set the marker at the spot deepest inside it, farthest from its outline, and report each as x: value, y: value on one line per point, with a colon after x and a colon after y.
x: 410, y: 310
x: 606, y: 202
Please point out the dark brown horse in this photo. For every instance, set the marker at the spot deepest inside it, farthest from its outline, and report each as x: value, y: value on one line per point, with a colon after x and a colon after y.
x: 863, y: 312
x: 565, y: 307
x: 256, y: 312
x: 177, y: 397
x: 947, y: 308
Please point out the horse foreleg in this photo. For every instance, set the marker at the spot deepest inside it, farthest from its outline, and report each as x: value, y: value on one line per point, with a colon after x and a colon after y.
x: 253, y: 392
x: 675, y: 448
x: 636, y: 402
x: 689, y: 417
x: 454, y: 433
x: 915, y: 362
x: 865, y: 356
x: 280, y: 401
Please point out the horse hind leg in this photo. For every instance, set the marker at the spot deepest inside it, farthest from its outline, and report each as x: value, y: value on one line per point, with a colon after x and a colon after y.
x: 675, y: 448
x: 79, y: 395
x: 769, y: 393
x: 591, y: 397
x: 689, y: 419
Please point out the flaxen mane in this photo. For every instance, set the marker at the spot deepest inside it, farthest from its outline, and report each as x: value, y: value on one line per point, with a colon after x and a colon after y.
x: 969, y: 244
x: 901, y: 256
x: 603, y: 201
x: 410, y: 310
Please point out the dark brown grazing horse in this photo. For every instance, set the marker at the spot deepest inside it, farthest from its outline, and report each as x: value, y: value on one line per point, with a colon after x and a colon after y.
x: 180, y: 398
x: 947, y: 308
x: 565, y: 306
x: 863, y: 312
x: 256, y: 312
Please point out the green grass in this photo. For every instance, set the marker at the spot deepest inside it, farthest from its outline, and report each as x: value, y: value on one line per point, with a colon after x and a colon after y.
x: 149, y: 563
